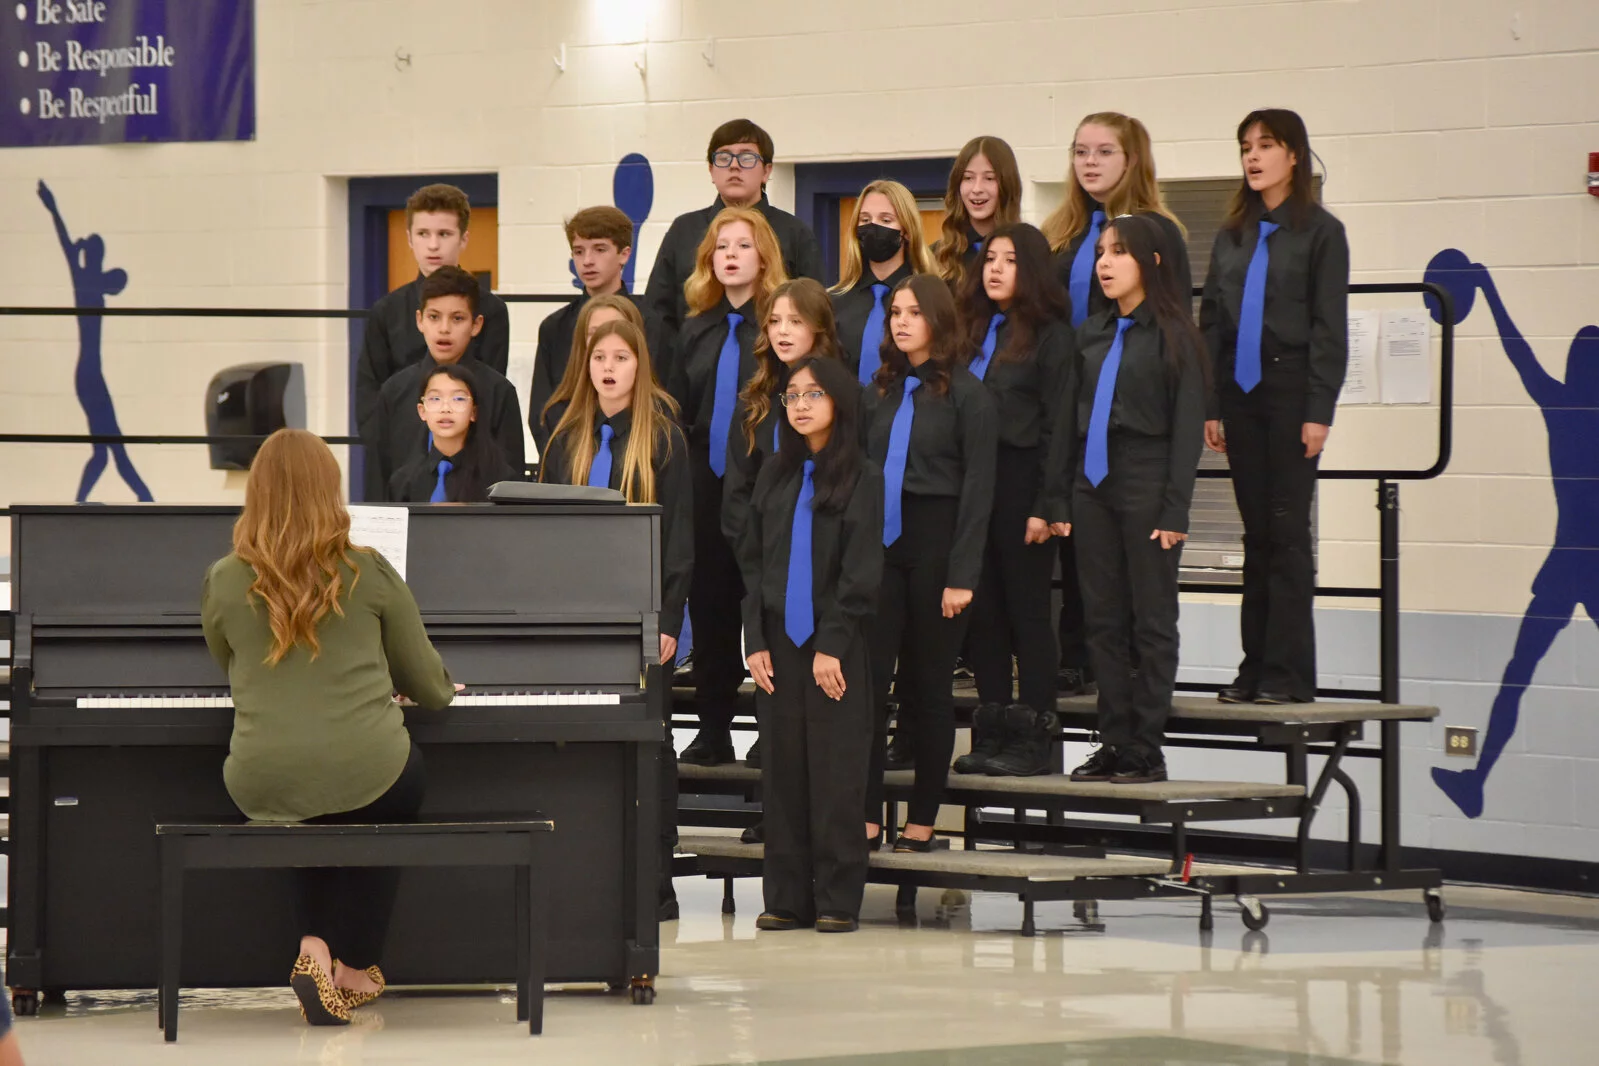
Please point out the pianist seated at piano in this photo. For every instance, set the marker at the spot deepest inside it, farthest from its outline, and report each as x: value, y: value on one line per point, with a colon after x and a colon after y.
x: 316, y: 636
x: 619, y: 431
x: 463, y: 459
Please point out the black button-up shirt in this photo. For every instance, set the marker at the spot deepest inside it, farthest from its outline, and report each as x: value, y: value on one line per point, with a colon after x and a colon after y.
x: 1028, y: 393
x: 556, y: 333
x: 401, y: 437
x: 414, y: 482
x: 1149, y: 401
x: 846, y: 559
x: 1175, y: 245
x: 392, y: 342
x: 674, y: 263
x: 693, y: 383
x: 953, y: 447
x: 744, y: 465
x: 851, y: 310
x: 674, y: 491
x: 1304, y: 339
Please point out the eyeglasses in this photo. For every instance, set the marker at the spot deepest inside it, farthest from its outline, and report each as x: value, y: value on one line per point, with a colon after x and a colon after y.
x: 745, y: 160
x: 795, y: 399
x: 1104, y: 151
x: 459, y: 400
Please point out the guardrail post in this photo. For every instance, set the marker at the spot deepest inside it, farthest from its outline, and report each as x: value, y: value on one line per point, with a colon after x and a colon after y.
x: 1388, y: 585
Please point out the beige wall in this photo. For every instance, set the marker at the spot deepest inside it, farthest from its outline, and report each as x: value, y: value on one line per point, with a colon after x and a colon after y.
x: 1441, y: 124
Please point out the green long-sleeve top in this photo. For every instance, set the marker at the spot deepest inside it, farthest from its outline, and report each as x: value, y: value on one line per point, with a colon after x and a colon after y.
x: 324, y: 735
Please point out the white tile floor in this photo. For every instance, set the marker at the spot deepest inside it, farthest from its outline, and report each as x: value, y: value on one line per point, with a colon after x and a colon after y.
x: 1507, y: 979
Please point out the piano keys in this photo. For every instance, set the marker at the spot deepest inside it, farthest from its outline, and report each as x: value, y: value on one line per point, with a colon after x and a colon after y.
x: 462, y: 699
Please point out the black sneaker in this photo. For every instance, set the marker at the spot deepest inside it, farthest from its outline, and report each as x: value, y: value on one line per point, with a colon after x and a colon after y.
x: 752, y: 758
x: 988, y: 739
x: 1137, y: 768
x: 1072, y: 681
x: 900, y: 755
x: 1101, y: 766
x: 964, y: 678
x: 708, y: 749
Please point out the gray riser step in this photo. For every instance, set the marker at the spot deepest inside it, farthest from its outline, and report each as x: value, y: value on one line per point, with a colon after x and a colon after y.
x: 1006, y: 864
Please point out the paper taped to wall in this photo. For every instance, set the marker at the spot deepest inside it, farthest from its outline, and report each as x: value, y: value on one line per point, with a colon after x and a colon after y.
x: 1406, y: 361
x: 1360, y: 379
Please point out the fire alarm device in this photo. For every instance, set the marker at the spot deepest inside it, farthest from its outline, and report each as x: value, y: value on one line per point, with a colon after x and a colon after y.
x: 1593, y: 173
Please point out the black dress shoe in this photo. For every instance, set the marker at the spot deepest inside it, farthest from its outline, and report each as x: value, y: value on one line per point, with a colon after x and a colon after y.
x: 752, y: 758
x: 777, y: 921
x: 1276, y: 699
x: 904, y: 844
x: 1137, y: 768
x: 666, y: 910
x: 900, y: 755
x: 836, y: 923
x: 1100, y: 766
x: 1236, y: 694
x: 875, y: 841
x: 755, y: 834
x: 708, y: 749
x: 1073, y: 681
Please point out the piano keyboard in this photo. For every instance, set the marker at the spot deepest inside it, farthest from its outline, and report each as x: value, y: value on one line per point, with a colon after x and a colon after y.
x: 462, y: 699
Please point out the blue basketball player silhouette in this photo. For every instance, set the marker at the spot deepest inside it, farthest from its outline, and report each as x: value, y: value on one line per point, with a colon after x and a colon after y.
x: 91, y: 284
x: 1569, y: 577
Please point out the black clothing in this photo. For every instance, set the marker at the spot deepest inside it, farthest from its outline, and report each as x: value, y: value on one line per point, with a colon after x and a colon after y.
x: 693, y: 380
x: 846, y: 553
x: 1304, y: 354
x: 400, y: 437
x: 952, y: 451
x: 910, y: 628
x: 1304, y: 338
x: 1149, y: 402
x: 674, y: 491
x: 1028, y: 395
x: 349, y: 906
x: 415, y: 481
x: 744, y: 466
x: 851, y: 309
x: 1011, y: 611
x: 555, y: 351
x: 674, y: 263
x: 1175, y: 245
x: 392, y: 342
x: 1073, y: 637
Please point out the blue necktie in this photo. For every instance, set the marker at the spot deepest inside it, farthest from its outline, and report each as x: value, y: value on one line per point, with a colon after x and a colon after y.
x: 899, y: 444
x: 726, y: 395
x: 872, y: 336
x: 1246, y: 365
x: 600, y: 468
x: 1083, y: 269
x: 799, y: 617
x: 979, y: 366
x: 777, y: 429
x: 439, y: 496
x: 1096, y: 458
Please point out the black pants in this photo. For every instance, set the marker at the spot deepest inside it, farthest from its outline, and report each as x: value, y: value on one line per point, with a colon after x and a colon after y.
x: 911, y: 629
x: 349, y: 907
x: 715, y: 596
x: 1073, y: 637
x: 1274, y: 484
x: 1129, y: 585
x: 1011, y: 612
x: 813, y: 781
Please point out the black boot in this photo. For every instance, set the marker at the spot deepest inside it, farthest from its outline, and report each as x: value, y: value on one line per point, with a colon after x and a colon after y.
x: 712, y: 747
x: 752, y: 758
x: 988, y: 739
x: 1027, y: 739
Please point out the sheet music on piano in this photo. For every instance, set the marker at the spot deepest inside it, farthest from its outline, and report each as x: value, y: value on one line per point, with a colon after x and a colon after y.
x: 384, y: 529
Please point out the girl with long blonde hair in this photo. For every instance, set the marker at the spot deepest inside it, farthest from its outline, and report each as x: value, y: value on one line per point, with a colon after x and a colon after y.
x: 888, y: 247
x: 612, y: 307
x: 738, y: 267
x: 316, y: 635
x: 984, y: 193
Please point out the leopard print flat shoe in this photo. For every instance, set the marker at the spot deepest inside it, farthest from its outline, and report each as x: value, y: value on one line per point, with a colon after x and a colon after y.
x: 354, y: 999
x: 320, y: 1002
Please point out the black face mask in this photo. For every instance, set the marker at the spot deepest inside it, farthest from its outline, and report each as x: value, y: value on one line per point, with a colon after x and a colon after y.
x: 879, y: 244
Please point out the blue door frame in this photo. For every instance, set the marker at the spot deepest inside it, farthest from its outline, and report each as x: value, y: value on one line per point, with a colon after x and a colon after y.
x: 818, y: 188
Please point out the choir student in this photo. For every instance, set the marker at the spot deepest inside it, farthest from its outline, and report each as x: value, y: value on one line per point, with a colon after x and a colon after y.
x: 1274, y: 315
x: 1013, y: 311
x: 1112, y: 173
x: 436, y: 219
x: 594, y: 313
x: 739, y: 158
x: 463, y: 461
x: 798, y: 324
x: 931, y: 426
x: 448, y: 319
x: 316, y: 636
x: 888, y: 248
x: 984, y: 193
x: 739, y: 266
x: 812, y: 558
x: 1134, y: 428
x: 601, y: 243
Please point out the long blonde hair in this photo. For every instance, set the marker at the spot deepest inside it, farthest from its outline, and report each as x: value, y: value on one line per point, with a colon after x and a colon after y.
x: 294, y: 531
x: 653, y: 413
x: 910, y: 223
x: 577, y: 370
x: 1137, y: 193
x: 702, y: 290
x: 950, y: 255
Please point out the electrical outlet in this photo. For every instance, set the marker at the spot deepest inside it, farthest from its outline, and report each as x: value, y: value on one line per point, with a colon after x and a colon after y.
x: 1460, y: 740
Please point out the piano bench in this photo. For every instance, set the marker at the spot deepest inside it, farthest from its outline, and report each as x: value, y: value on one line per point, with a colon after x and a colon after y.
x: 518, y: 843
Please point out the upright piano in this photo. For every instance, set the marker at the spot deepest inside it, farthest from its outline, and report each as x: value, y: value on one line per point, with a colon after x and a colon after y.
x: 121, y: 719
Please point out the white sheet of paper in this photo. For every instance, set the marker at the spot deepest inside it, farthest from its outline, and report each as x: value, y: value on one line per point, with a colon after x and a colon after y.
x: 1360, y: 380
x: 386, y: 530
x: 1406, y: 358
